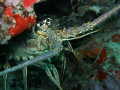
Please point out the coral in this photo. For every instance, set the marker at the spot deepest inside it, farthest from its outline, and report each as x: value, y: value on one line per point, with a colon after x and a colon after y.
x: 101, y: 75
x: 6, y: 18
x: 102, y: 56
x: 4, y: 37
x: 15, y: 18
x: 12, y: 2
x: 82, y: 10
x: 116, y: 38
x: 21, y: 23
x: 95, y: 86
x: 2, y: 8
x: 118, y: 74
x: 111, y: 83
x: 96, y: 9
x: 102, y: 50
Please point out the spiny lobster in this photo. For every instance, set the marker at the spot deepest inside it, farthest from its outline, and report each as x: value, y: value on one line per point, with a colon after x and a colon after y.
x: 49, y: 41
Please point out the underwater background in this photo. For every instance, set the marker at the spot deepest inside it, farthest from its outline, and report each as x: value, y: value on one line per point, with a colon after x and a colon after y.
x: 89, y: 62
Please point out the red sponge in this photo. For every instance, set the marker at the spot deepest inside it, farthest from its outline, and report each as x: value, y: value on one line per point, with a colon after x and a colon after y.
x: 21, y: 24
x: 27, y: 3
x: 9, y: 12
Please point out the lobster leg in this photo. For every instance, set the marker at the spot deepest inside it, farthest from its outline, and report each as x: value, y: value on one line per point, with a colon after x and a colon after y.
x: 64, y: 65
x: 4, y: 81
x: 56, y: 75
x: 25, y: 78
x: 48, y: 68
x: 6, y: 66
